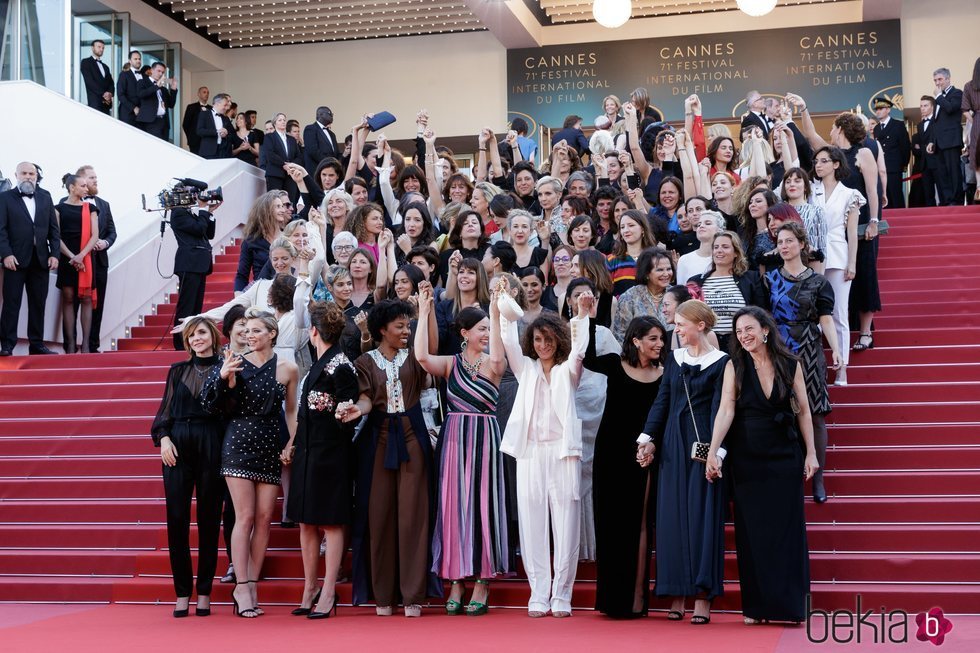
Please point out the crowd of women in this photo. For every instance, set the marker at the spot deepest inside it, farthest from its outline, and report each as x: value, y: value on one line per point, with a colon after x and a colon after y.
x: 441, y: 371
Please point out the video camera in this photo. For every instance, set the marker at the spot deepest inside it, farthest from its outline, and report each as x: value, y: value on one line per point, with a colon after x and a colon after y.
x: 185, y: 192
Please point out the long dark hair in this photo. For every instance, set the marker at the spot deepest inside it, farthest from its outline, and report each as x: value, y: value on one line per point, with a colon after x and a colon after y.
x: 638, y: 328
x: 976, y: 75
x: 781, y: 357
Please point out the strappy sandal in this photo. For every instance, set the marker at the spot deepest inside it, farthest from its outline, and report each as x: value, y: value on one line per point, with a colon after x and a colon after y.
x: 860, y: 346
x: 453, y: 607
x: 474, y: 608
x: 258, y: 611
x: 247, y: 613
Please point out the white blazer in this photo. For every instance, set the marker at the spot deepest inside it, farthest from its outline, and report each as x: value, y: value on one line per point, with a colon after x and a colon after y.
x: 564, y: 381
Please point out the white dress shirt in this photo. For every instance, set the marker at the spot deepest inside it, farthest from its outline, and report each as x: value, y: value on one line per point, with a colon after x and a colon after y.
x: 31, y: 206
x: 218, y: 124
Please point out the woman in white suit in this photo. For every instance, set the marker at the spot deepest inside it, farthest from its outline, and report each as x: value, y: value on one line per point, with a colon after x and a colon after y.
x: 544, y: 434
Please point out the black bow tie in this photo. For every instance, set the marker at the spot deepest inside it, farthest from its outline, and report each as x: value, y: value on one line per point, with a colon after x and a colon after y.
x: 23, y: 194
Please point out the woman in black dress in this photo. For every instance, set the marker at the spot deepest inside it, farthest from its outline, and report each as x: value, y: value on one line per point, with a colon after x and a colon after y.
x: 763, y: 388
x: 190, y: 448
x: 79, y: 224
x: 690, y: 527
x: 253, y: 387
x: 322, y: 482
x: 621, y: 489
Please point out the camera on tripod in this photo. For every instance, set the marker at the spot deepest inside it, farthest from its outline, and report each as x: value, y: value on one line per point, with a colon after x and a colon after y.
x: 185, y: 192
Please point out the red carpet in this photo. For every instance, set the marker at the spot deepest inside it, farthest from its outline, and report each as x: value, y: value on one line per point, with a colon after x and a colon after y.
x: 81, y: 510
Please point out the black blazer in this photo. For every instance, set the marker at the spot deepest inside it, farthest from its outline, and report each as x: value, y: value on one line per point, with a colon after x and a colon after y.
x: 126, y: 94
x: 146, y: 90
x: 574, y: 137
x: 752, y: 119
x: 894, y: 140
x: 927, y: 135
x: 749, y: 284
x: 207, y: 136
x: 22, y: 237
x: 272, y: 156
x: 96, y: 84
x: 193, y: 231
x: 949, y: 119
x: 318, y: 146
x: 107, y: 231
x: 189, y: 124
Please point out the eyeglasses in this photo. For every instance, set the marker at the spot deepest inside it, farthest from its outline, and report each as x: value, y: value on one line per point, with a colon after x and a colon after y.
x: 287, y: 205
x: 562, y: 259
x: 344, y: 248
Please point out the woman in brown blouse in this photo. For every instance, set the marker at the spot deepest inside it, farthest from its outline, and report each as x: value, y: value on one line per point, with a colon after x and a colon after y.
x: 394, y: 499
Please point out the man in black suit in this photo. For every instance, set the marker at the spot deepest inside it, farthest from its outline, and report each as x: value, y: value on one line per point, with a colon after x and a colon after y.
x: 126, y: 89
x: 29, y: 247
x: 100, y: 253
x: 948, y: 137
x: 897, y: 148
x: 213, y: 128
x: 571, y: 132
x: 756, y: 115
x: 193, y: 228
x: 278, y: 149
x: 98, y: 79
x: 932, y: 164
x: 319, y: 140
x: 157, y: 96
x: 191, y: 114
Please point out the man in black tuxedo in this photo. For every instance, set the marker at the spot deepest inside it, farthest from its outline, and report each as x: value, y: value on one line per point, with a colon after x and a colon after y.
x: 897, y: 148
x: 100, y: 253
x: 157, y: 96
x: 948, y: 137
x: 191, y: 114
x: 278, y: 149
x: 756, y: 115
x: 932, y: 164
x: 99, y: 86
x: 319, y: 140
x: 213, y: 129
x: 193, y: 228
x: 29, y: 247
x: 126, y: 89
x: 803, y: 150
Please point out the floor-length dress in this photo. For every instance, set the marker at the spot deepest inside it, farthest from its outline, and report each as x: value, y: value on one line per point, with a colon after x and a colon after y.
x: 622, y: 490
x: 864, y: 289
x: 690, y: 529
x: 470, y: 536
x: 765, y: 461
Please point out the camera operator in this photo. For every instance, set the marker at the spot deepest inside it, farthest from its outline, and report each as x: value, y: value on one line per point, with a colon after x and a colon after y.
x: 193, y: 228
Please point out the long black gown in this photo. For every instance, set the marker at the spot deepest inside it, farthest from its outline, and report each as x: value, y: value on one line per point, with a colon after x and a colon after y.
x: 765, y: 462
x: 690, y: 511
x: 864, y: 296
x: 623, y: 492
x: 322, y: 484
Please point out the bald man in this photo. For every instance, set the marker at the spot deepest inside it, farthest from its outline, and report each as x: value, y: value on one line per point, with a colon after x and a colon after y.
x: 29, y: 247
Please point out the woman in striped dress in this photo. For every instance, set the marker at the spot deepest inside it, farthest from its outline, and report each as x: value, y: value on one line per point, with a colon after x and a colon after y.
x: 470, y: 536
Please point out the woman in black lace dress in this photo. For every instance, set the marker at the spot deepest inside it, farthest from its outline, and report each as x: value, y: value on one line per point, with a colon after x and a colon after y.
x: 190, y: 448
x: 251, y: 389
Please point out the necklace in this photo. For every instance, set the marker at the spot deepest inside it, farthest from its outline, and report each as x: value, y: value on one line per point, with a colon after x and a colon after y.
x: 472, y: 369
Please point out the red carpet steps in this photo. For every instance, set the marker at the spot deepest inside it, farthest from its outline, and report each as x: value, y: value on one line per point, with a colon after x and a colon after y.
x: 81, y: 510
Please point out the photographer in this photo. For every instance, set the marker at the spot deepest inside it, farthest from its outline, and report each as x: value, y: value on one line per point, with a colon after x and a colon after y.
x: 157, y: 95
x: 193, y: 228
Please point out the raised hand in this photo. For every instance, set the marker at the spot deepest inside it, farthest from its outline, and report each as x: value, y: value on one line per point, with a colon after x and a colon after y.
x: 425, y: 297
x: 231, y: 365
x: 429, y: 137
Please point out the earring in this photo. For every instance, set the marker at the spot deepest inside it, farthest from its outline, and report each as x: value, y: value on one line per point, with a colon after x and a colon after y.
x: 765, y: 338
x: 462, y: 346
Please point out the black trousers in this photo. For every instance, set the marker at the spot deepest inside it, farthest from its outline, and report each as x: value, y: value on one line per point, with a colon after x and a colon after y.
x: 190, y: 300
x: 895, y: 192
x: 34, y: 278
x: 286, y: 184
x: 159, y: 127
x: 228, y: 521
x: 951, y: 178
x: 198, y: 464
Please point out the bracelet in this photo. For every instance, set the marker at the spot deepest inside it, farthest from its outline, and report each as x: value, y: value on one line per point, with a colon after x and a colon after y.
x: 803, y: 110
x: 483, y: 149
x: 688, y: 113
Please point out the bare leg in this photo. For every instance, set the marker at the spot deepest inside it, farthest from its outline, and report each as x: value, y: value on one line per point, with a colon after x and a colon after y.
x: 243, y: 497
x: 265, y: 504
x: 284, y: 478
x: 309, y: 539
x: 335, y: 551
x: 68, y: 318
x: 85, y: 313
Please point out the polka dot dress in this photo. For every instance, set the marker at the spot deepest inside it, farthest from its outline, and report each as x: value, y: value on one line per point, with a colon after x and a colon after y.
x: 253, y: 440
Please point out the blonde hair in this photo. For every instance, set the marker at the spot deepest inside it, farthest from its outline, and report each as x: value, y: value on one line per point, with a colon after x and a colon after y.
x: 696, y: 311
x: 283, y: 243
x: 267, y: 319
x: 294, y: 225
x: 717, y: 130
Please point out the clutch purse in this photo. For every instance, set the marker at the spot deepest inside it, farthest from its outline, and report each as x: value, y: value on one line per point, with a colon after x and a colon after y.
x: 882, y: 228
x: 380, y: 120
x: 509, y: 308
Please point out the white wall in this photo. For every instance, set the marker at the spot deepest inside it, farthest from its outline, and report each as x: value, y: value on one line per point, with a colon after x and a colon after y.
x: 938, y: 34
x: 60, y: 135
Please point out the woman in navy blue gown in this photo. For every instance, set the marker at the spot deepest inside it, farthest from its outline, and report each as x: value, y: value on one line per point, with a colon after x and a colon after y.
x: 690, y: 511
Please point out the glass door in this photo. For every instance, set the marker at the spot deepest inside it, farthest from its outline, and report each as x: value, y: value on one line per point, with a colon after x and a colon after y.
x: 113, y: 29
x: 169, y: 54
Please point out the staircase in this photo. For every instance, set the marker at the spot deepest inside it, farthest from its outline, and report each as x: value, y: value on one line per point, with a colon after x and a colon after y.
x: 82, y: 514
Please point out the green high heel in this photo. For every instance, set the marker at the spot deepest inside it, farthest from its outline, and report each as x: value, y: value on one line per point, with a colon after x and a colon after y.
x: 455, y: 608
x: 475, y: 609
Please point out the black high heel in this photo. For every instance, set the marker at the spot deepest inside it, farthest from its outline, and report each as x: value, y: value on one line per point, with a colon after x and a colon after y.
x: 247, y: 613
x: 202, y: 612
x: 303, y: 612
x: 258, y: 611
x: 860, y: 346
x: 819, y: 492
x: 180, y: 614
x: 323, y: 615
